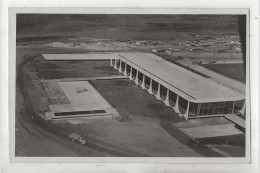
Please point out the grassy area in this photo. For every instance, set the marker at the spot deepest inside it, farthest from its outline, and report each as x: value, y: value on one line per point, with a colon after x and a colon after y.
x: 234, y: 71
x: 133, y: 101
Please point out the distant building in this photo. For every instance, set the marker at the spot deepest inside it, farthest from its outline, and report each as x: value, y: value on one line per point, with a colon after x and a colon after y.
x: 237, y: 49
x: 154, y: 50
x: 122, y: 40
x: 195, y: 49
x: 176, y: 50
x: 160, y: 50
x: 168, y: 52
x: 154, y: 43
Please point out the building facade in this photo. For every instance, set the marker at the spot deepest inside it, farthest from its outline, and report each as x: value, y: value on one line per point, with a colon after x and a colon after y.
x: 188, y: 94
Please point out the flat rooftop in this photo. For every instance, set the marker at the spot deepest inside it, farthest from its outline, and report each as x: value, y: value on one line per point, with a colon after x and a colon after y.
x: 82, y: 96
x: 185, y: 83
x: 69, y: 57
x: 211, y: 131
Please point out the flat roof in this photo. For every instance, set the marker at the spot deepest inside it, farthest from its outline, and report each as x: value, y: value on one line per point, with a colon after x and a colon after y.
x: 82, y: 96
x: 185, y: 83
x: 211, y: 131
x: 69, y: 57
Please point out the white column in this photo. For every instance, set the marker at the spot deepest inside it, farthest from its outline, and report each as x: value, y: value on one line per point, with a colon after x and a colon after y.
x: 150, y: 90
x: 136, y: 77
x: 125, y: 70
x: 233, y: 107
x: 186, y: 115
x: 111, y: 62
x: 115, y: 65
x: 120, y: 67
x: 166, y: 101
x: 176, y: 106
x: 143, y: 83
x: 130, y: 75
x: 158, y: 94
x: 242, y: 111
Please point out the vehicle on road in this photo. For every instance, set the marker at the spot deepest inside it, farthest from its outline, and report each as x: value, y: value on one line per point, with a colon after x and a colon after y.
x: 77, y: 137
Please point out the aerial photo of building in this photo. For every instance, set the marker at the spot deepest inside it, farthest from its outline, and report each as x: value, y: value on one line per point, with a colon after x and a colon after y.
x: 197, y: 95
x: 131, y: 85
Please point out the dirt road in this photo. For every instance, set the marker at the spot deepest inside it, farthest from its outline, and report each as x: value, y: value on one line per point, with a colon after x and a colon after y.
x: 33, y: 140
x: 35, y: 137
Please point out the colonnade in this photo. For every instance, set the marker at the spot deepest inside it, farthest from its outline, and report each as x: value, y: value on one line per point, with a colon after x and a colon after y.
x: 150, y: 91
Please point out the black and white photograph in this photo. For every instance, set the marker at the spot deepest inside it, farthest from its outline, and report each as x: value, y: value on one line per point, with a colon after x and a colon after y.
x: 131, y: 85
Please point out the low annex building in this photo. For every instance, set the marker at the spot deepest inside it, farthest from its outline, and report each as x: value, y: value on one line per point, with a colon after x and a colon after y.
x: 189, y: 94
x: 83, y: 101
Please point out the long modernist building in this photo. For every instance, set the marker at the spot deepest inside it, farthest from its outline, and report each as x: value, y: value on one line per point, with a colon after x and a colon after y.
x: 189, y: 94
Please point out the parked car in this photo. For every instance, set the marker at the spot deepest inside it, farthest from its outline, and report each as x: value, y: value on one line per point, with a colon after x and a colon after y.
x: 77, y: 137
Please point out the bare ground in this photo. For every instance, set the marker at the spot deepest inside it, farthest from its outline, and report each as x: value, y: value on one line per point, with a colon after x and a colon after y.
x: 141, y: 131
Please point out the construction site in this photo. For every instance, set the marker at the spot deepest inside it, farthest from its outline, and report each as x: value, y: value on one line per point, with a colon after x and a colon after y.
x: 130, y: 98
x: 107, y: 101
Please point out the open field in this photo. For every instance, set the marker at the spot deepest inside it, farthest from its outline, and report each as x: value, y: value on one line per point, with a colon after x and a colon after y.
x: 72, y: 69
x: 234, y: 71
x: 161, y: 27
x: 132, y: 101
